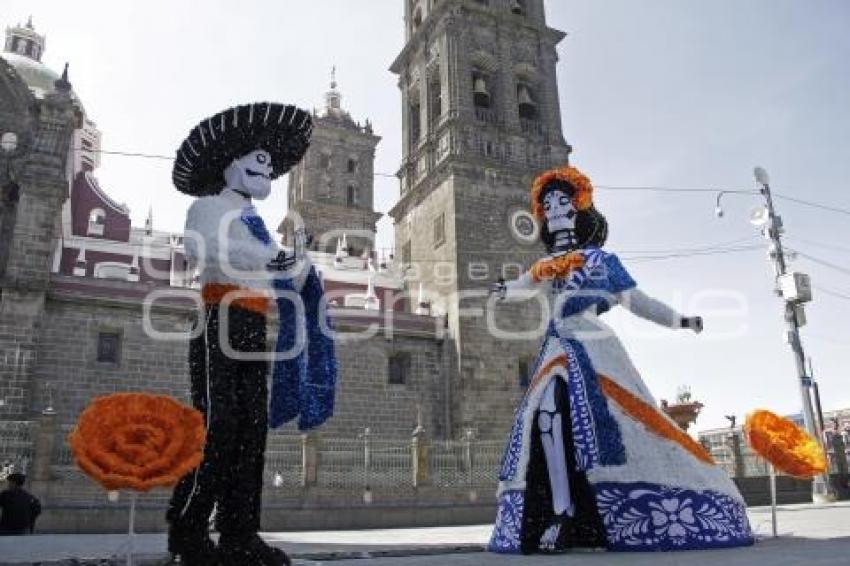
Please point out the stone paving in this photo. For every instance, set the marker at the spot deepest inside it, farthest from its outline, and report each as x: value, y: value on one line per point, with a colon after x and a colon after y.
x: 812, y: 535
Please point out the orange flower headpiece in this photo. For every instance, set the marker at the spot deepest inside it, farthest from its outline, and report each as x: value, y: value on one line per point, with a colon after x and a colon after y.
x: 582, y: 199
x: 138, y: 441
x: 784, y: 444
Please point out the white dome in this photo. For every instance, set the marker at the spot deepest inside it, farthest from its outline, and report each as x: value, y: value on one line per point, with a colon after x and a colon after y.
x: 38, y: 77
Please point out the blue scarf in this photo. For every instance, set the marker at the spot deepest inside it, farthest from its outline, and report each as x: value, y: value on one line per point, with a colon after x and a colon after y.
x: 303, y: 386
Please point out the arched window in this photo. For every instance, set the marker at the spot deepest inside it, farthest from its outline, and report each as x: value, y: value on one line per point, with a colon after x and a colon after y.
x: 352, y: 197
x: 518, y: 7
x: 97, y: 222
x: 435, y: 99
x: 527, y: 101
x: 415, y: 113
x: 481, y: 96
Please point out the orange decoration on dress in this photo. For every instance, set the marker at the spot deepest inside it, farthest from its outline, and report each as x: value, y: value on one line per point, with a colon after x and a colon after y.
x: 653, y: 419
x: 138, y: 441
x: 582, y: 199
x: 784, y: 444
x: 560, y: 361
x: 557, y: 268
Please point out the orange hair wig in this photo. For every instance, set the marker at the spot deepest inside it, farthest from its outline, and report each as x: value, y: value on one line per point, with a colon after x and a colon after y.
x: 582, y: 199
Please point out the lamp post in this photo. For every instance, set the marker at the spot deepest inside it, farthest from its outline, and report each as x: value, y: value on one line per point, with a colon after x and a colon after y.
x: 795, y: 289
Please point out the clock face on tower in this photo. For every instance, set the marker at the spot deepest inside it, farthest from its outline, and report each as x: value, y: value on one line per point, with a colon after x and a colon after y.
x: 524, y: 226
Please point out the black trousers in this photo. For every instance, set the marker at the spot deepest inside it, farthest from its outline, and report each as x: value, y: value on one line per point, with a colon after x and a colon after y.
x: 233, y: 396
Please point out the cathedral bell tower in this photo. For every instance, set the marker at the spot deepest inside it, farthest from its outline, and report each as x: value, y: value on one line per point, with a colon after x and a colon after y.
x: 480, y: 118
x: 332, y: 188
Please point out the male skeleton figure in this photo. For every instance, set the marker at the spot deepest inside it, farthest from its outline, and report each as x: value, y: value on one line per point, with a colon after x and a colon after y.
x: 227, y: 161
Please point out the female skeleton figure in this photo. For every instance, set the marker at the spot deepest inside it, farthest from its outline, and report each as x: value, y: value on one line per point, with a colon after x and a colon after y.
x: 591, y: 460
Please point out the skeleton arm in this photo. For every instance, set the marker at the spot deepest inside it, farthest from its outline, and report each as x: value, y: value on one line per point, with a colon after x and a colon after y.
x: 522, y: 288
x: 646, y: 307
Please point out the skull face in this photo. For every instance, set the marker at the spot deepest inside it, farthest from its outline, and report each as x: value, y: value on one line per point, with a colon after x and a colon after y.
x: 560, y: 212
x: 251, y: 174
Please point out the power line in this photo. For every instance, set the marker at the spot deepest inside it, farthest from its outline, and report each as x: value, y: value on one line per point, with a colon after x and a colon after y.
x: 813, y: 204
x: 656, y: 189
x: 690, y: 249
x: 831, y: 293
x: 648, y: 258
x: 820, y: 244
x: 828, y: 339
x: 822, y: 262
x: 127, y: 154
x: 676, y: 190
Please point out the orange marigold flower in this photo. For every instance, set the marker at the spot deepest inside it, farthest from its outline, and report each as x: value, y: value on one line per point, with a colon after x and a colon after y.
x: 784, y: 444
x: 138, y: 441
x: 558, y: 267
x: 582, y: 200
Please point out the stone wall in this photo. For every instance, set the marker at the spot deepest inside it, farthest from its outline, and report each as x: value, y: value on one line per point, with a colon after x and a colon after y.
x: 32, y: 178
x: 67, y: 375
x: 67, y: 369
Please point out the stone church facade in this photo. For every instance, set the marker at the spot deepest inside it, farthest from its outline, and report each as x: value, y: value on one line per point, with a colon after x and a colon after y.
x: 480, y: 118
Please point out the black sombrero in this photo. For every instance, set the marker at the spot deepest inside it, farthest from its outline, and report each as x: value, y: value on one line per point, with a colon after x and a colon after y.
x: 281, y: 129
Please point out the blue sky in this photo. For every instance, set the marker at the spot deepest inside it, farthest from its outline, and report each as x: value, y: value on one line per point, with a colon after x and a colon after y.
x: 669, y: 93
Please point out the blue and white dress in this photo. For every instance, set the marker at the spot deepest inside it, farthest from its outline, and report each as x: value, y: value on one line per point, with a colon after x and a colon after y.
x: 638, y: 482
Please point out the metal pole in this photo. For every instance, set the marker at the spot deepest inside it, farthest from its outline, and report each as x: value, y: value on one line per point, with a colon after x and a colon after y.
x: 773, y: 500
x: 367, y: 466
x: 818, y: 407
x: 820, y: 483
x: 132, y: 530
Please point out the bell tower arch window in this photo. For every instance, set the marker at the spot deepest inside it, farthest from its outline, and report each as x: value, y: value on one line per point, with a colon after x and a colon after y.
x: 435, y: 98
x: 527, y: 101
x: 415, y: 115
x: 481, y: 87
x: 352, y: 196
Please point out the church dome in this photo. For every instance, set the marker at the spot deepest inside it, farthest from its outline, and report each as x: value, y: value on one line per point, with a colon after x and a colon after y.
x: 23, y: 50
x: 38, y: 77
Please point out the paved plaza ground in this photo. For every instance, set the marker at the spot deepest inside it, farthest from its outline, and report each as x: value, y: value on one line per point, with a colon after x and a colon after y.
x: 810, y: 535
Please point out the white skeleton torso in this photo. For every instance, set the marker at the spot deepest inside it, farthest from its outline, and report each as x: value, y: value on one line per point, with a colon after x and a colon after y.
x: 223, y: 248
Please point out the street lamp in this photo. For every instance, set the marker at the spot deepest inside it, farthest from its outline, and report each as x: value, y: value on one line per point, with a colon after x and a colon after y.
x: 795, y: 289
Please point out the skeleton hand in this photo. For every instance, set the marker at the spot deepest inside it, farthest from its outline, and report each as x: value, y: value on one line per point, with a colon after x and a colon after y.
x: 499, y: 289
x: 692, y: 322
x: 282, y: 262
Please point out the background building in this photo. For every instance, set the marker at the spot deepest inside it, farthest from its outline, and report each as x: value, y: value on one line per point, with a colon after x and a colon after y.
x: 95, y: 270
x: 481, y: 119
x: 332, y: 188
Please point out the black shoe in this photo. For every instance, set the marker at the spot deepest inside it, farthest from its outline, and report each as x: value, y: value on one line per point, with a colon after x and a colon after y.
x: 250, y: 550
x: 191, y: 549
